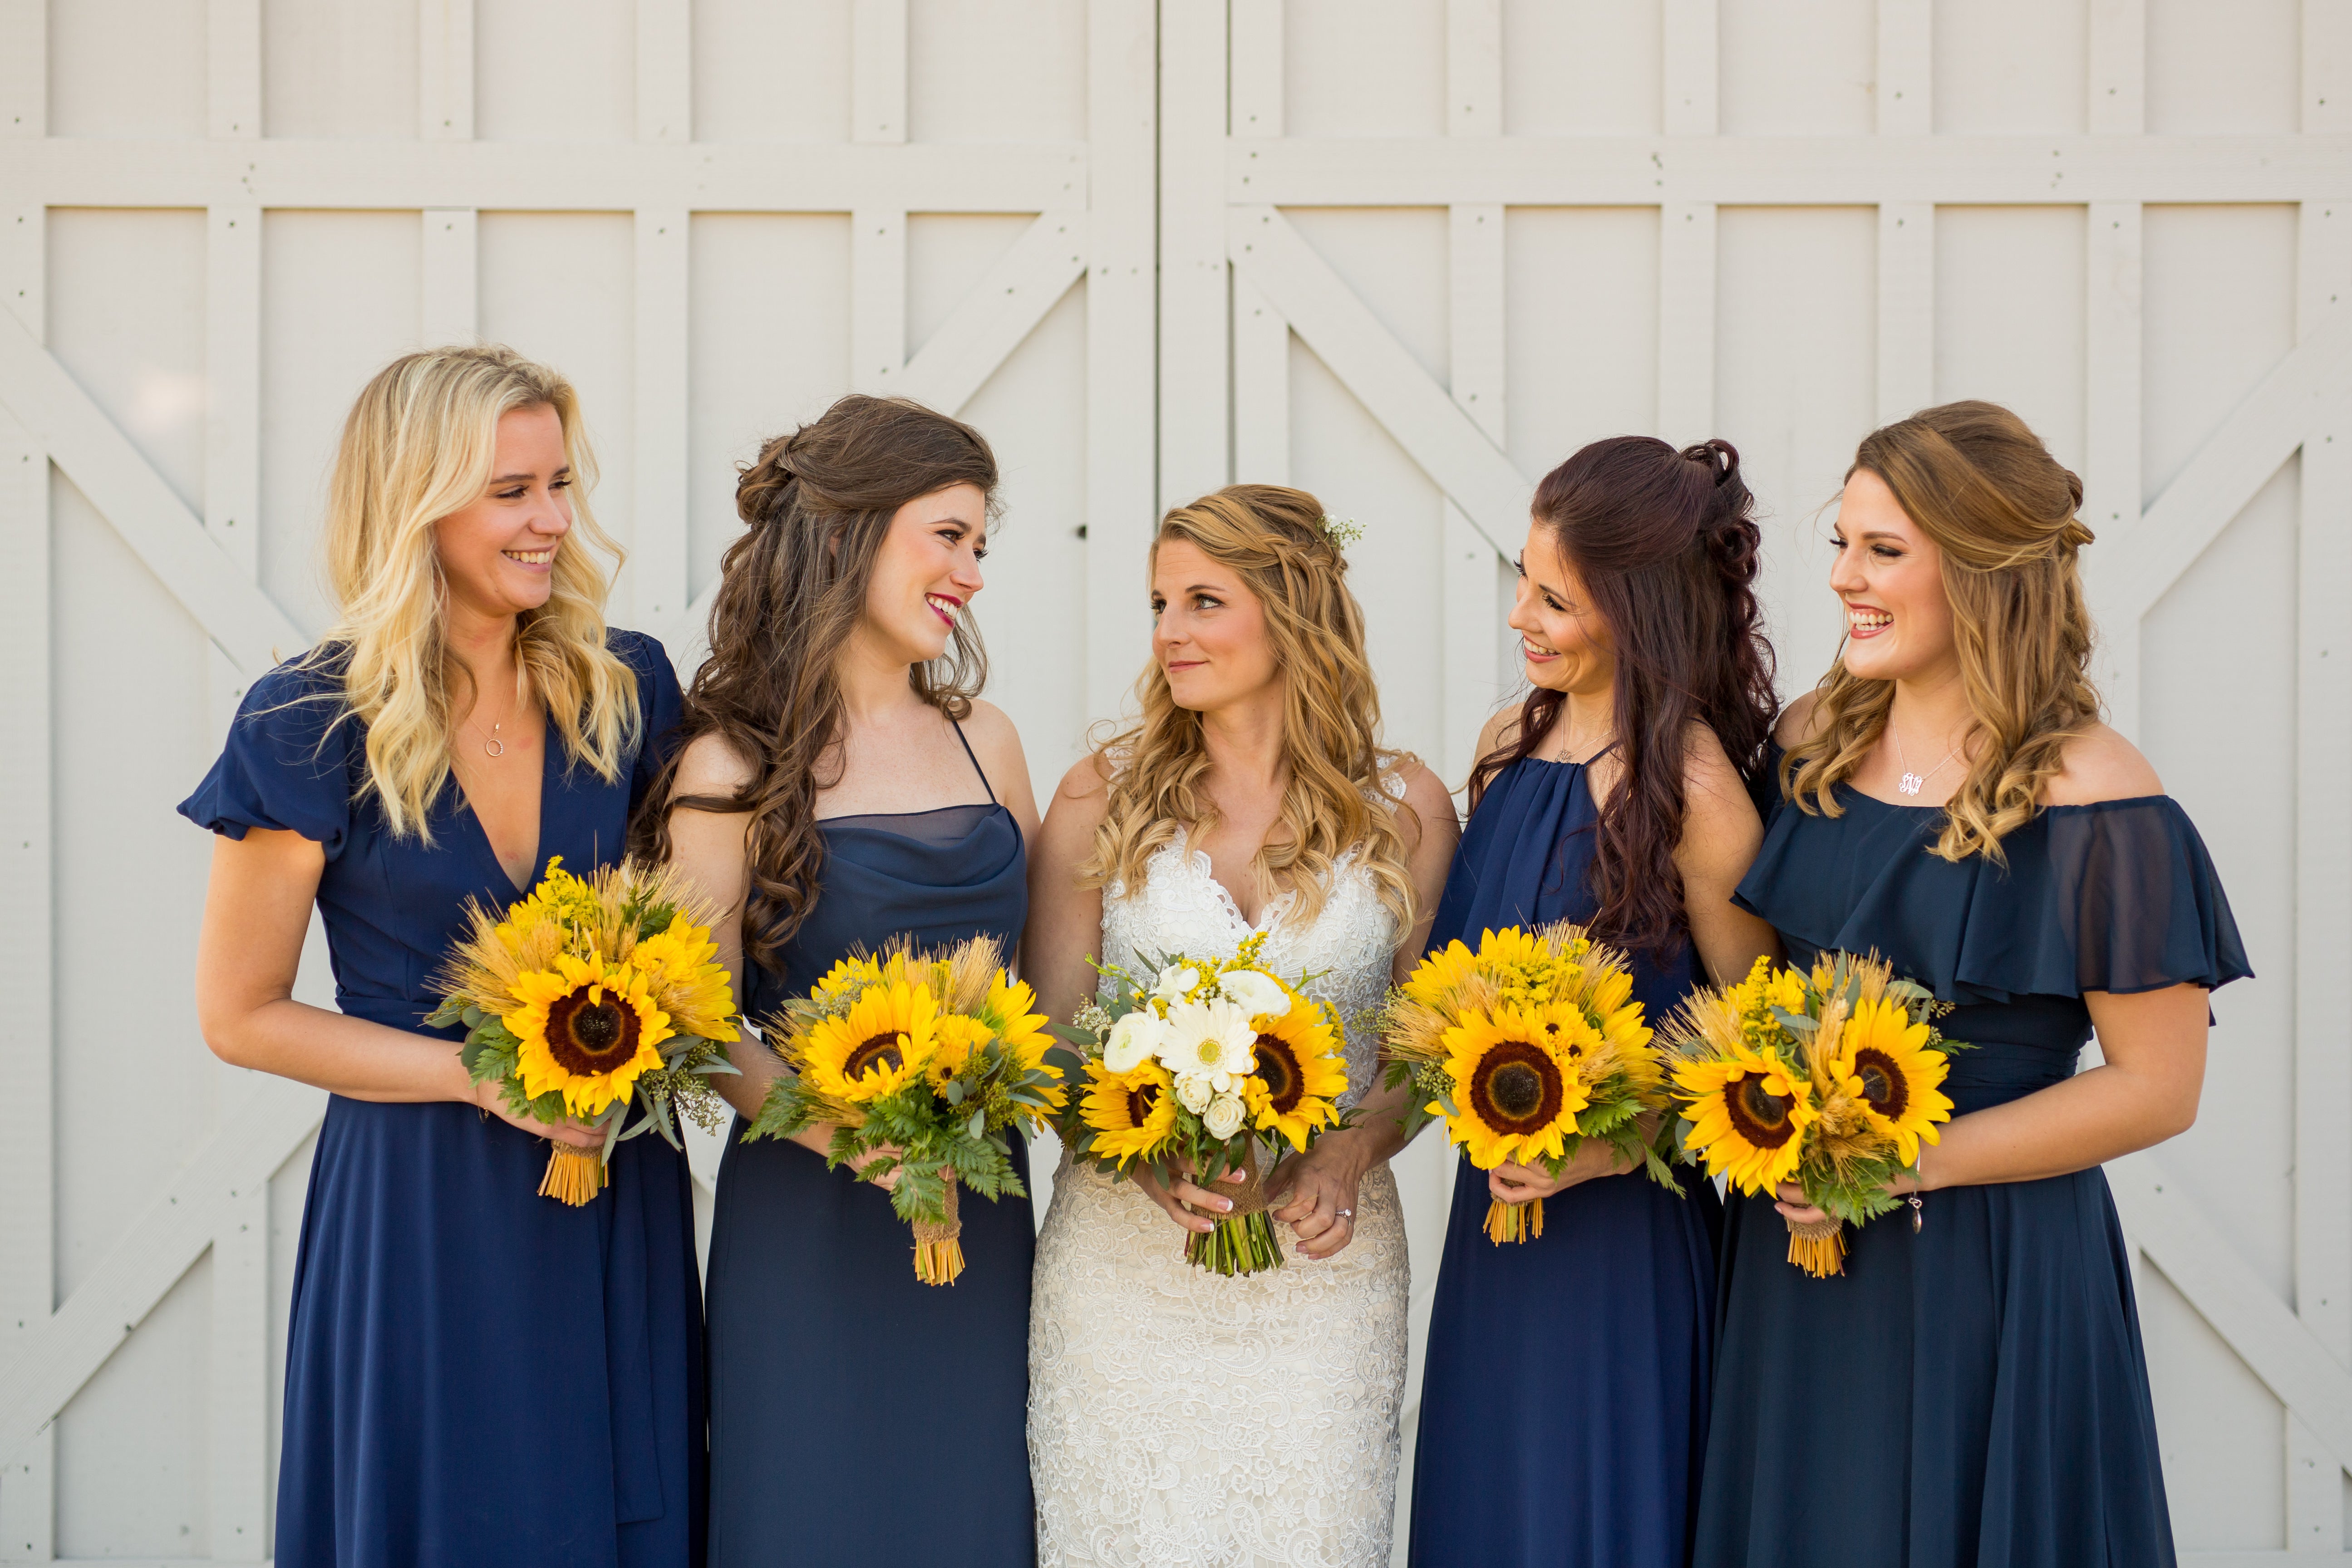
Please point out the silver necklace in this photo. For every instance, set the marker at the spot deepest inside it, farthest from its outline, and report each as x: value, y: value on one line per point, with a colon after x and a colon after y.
x: 1911, y: 782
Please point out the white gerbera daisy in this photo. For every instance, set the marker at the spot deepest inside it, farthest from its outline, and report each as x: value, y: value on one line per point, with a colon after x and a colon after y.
x: 1209, y: 1039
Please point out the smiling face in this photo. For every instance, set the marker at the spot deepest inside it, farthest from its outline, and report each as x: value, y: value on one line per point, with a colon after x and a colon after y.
x: 1209, y: 632
x: 1890, y: 576
x: 497, y: 554
x: 1566, y: 644
x: 926, y: 574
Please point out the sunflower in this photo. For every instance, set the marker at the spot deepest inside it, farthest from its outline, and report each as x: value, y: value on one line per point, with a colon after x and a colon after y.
x: 885, y: 1039
x: 585, y: 1029
x: 955, y: 1038
x: 1299, y: 1074
x: 1884, y: 1060
x: 1518, y: 1092
x: 680, y: 964
x: 1132, y: 1112
x: 1749, y: 1113
x: 1439, y: 972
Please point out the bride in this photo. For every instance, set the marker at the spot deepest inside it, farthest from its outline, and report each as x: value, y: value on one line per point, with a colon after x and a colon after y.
x: 1177, y: 1417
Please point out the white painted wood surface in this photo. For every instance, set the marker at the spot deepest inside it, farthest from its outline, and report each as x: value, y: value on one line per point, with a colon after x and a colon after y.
x: 1406, y: 253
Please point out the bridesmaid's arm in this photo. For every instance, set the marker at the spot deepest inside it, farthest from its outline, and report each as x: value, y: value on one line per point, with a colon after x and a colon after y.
x: 257, y: 912
x: 709, y: 849
x: 1064, y: 925
x: 1721, y: 834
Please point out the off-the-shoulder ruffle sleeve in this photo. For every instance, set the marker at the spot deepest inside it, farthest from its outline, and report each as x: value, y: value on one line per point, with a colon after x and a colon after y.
x: 659, y: 703
x: 288, y: 764
x: 2117, y: 896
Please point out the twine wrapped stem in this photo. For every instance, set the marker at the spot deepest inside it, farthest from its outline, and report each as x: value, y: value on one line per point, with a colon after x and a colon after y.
x: 575, y: 1176
x: 1818, y: 1248
x: 938, y: 1245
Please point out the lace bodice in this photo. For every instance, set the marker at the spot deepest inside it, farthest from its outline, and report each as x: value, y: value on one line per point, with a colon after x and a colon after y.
x: 1346, y: 950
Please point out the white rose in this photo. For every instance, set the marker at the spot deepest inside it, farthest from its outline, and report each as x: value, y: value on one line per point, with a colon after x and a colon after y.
x: 1209, y: 1039
x: 1223, y: 1117
x: 1194, y: 1093
x: 1257, y: 994
x: 1174, y: 982
x: 1132, y: 1039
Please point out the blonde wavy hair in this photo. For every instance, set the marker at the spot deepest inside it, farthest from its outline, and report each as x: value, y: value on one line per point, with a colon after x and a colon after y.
x: 1975, y: 480
x: 420, y: 444
x: 1274, y: 539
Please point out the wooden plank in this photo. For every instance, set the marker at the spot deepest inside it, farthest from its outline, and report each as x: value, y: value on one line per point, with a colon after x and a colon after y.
x: 877, y: 71
x: 1123, y: 352
x: 1687, y: 256
x: 445, y: 72
x: 878, y: 299
x: 61, y: 1354
x: 1473, y: 68
x: 24, y: 70
x: 2326, y: 60
x: 1476, y: 356
x: 233, y: 382
x: 2198, y: 1258
x: 1194, y: 293
x: 1906, y: 308
x: 1256, y: 55
x: 665, y: 61
x: 1905, y: 74
x: 657, y: 555
x: 233, y: 69
x: 2315, y: 1493
x: 452, y: 264
x: 2112, y: 419
x: 237, y: 1397
x: 1691, y: 68
x: 1382, y: 373
x: 152, y: 518
x: 2118, y: 66
x: 1260, y: 389
x: 1004, y: 308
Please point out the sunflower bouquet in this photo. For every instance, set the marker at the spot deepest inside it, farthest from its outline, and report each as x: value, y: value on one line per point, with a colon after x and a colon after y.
x: 1525, y: 1048
x: 1828, y: 1078
x: 588, y: 995
x: 933, y: 1060
x: 1215, y: 1064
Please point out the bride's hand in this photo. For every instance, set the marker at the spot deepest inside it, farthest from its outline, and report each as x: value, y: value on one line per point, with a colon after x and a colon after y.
x: 1173, y: 1199
x: 1322, y: 1186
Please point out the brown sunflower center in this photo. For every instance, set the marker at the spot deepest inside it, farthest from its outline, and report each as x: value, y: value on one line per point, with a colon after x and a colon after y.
x: 875, y: 1051
x: 587, y: 1038
x: 1278, y: 1064
x: 1883, y: 1083
x: 1139, y: 1103
x: 1761, y: 1118
x: 1517, y: 1086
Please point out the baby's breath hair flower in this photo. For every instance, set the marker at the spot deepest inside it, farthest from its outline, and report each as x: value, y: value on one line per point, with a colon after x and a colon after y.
x: 1343, y: 531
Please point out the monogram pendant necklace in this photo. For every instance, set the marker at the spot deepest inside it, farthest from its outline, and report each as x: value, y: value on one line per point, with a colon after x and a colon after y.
x: 1911, y: 782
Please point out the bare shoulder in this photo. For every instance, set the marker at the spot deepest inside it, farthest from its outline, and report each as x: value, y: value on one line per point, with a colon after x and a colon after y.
x: 1796, y: 722
x: 1085, y: 790
x: 991, y: 734
x: 1502, y: 726
x: 2099, y: 764
x: 1713, y: 795
x: 711, y: 765
x: 1426, y: 799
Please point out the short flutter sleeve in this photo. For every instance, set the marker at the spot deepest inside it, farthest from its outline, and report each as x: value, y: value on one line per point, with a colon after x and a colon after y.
x: 288, y: 761
x: 2116, y: 896
x: 660, y: 705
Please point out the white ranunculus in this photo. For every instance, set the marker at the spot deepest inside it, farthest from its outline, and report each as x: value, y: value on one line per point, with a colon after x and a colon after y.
x: 1209, y: 1039
x: 1223, y: 1117
x: 1132, y: 1039
x: 1194, y: 1093
x: 1257, y: 994
x: 1175, y: 982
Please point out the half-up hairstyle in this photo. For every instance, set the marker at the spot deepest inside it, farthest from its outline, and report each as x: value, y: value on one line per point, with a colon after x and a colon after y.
x: 1666, y: 545
x: 1973, y: 478
x: 816, y: 507
x: 1273, y: 538
x: 420, y: 444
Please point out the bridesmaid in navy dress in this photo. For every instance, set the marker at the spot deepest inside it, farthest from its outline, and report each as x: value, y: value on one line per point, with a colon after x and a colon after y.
x: 1953, y: 801
x: 474, y: 1373
x: 840, y: 784
x: 1564, y: 1399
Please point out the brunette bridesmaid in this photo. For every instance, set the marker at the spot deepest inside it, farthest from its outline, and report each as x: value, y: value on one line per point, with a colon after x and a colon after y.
x: 1564, y: 1401
x: 1971, y: 1390
x: 474, y: 1373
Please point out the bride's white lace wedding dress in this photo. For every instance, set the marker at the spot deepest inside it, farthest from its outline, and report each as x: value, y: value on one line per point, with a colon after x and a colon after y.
x: 1178, y: 1419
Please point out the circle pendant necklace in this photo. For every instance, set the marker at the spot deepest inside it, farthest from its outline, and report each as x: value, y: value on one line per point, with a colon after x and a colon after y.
x: 1910, y: 783
x: 497, y: 748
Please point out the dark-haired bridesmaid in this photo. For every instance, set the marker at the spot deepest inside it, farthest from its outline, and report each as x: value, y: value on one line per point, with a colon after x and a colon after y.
x: 1564, y: 1399
x: 1971, y: 1390
x: 840, y: 784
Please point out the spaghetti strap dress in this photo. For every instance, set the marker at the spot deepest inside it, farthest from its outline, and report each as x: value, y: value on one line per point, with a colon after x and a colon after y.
x: 1980, y: 1396
x: 474, y: 1373
x: 859, y: 1416
x: 1564, y: 1392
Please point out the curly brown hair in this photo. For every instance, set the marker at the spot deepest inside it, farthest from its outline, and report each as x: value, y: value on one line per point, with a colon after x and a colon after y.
x: 815, y: 508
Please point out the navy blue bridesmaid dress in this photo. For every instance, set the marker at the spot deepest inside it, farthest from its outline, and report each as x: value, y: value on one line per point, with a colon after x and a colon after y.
x: 1980, y: 1398
x: 859, y: 1416
x: 1564, y: 1392
x: 474, y: 1373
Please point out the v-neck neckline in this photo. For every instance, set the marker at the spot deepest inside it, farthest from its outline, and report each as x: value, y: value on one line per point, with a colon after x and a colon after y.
x: 482, y: 835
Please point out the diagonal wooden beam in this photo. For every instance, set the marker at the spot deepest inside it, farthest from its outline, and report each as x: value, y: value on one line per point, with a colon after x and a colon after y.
x: 151, y: 517
x: 2191, y: 1251
x: 1417, y: 413
x: 51, y: 1361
